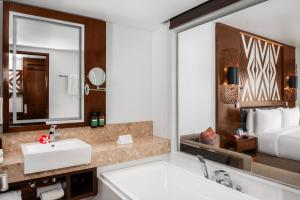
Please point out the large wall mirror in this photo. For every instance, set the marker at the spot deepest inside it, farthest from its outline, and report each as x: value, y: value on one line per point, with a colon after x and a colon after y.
x: 238, y: 98
x: 46, y: 70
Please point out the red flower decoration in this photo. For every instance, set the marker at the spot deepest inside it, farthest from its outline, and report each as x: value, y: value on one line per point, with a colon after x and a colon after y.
x: 44, y: 139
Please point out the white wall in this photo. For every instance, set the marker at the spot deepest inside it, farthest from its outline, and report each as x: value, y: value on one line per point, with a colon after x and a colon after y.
x: 161, y: 82
x: 129, y: 74
x: 138, y: 76
x: 196, y: 79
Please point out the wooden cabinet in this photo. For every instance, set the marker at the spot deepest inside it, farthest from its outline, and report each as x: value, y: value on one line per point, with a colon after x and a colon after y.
x: 77, y: 185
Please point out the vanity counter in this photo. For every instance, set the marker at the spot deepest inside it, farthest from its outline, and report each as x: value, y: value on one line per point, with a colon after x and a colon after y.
x: 104, y: 153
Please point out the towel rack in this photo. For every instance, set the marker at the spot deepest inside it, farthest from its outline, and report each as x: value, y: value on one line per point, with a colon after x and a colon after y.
x: 63, y: 76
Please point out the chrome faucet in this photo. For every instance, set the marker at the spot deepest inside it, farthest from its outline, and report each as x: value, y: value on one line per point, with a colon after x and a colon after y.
x: 222, y: 177
x: 53, y: 133
x: 203, y: 166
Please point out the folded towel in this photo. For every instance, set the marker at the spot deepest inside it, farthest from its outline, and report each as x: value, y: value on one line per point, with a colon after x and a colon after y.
x: 12, y: 195
x: 1, y: 152
x: 53, y: 194
x: 73, y: 84
x: 41, y: 190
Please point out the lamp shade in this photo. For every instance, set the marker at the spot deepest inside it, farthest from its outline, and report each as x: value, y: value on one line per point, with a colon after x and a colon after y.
x: 233, y: 75
x: 293, y: 81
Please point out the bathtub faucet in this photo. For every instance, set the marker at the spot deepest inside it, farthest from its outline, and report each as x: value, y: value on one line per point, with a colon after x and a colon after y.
x: 222, y: 177
x: 203, y: 166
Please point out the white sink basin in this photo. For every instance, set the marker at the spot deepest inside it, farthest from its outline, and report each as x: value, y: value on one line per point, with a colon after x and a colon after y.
x: 64, y: 153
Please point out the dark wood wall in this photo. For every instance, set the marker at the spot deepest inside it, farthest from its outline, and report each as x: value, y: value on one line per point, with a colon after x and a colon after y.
x: 94, y: 56
x: 230, y: 52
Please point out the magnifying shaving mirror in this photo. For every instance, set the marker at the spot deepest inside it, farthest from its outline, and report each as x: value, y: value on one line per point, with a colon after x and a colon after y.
x: 97, y: 78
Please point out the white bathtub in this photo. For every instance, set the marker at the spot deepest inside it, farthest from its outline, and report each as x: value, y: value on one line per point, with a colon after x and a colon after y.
x: 162, y: 181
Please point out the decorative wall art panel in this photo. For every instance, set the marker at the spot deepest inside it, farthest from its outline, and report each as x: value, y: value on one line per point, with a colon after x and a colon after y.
x: 261, y: 82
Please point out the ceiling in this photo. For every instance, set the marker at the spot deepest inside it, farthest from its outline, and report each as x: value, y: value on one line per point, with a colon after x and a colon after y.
x: 274, y: 19
x: 146, y: 14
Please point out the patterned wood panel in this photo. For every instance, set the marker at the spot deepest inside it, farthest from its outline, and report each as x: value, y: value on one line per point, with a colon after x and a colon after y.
x: 261, y: 74
x: 19, y: 82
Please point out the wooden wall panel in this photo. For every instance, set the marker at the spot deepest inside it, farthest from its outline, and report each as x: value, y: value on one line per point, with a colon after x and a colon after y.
x: 94, y: 56
x: 227, y: 117
x: 230, y: 52
x: 289, y: 62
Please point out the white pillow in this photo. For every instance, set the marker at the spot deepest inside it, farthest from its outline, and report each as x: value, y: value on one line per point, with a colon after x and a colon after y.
x: 266, y: 120
x: 290, y: 117
x: 250, y: 122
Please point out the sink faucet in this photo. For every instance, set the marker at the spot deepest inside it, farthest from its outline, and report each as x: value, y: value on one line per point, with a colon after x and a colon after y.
x: 53, y: 133
x: 203, y: 166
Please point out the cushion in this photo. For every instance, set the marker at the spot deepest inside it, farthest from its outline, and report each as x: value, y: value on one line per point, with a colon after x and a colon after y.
x: 250, y: 122
x: 290, y: 117
x: 209, y: 137
x: 266, y: 120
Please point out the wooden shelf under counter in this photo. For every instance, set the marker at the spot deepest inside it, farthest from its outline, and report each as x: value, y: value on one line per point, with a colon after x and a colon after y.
x: 86, y: 179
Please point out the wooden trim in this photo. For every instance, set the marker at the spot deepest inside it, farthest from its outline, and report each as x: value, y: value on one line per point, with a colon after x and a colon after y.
x: 6, y: 8
x: 34, y: 53
x: 199, y: 11
x: 94, y: 55
x: 264, y: 104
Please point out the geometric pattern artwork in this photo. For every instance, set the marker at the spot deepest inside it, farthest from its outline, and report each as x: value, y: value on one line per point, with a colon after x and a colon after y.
x: 19, y: 77
x: 262, y: 57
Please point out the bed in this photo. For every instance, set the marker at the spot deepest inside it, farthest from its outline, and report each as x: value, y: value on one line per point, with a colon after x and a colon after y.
x: 277, y: 131
x: 283, y: 143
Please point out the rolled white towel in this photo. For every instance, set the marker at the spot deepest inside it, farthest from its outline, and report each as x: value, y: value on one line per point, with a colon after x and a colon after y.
x: 41, y: 190
x: 53, y: 194
x: 12, y: 195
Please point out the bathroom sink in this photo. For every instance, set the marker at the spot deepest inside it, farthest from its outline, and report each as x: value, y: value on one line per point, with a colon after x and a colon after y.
x: 64, y: 153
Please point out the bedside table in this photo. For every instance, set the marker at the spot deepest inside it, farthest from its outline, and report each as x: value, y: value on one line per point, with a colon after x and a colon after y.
x: 243, y: 144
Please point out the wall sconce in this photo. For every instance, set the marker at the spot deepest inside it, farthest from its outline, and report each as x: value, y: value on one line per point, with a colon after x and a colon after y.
x: 231, y: 89
x: 293, y: 82
x: 233, y: 75
x: 291, y: 90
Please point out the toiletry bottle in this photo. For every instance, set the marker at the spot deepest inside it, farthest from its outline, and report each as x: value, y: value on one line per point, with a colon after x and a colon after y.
x: 93, y: 119
x: 101, y: 119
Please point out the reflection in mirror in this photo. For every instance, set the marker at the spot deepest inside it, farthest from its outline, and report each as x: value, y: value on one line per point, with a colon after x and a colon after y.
x: 45, y: 70
x: 238, y: 90
x: 96, y: 76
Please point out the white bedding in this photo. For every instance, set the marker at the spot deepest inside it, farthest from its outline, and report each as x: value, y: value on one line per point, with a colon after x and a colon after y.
x: 283, y: 143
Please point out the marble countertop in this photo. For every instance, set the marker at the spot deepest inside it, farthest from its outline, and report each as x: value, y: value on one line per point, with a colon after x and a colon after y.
x: 103, y: 154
